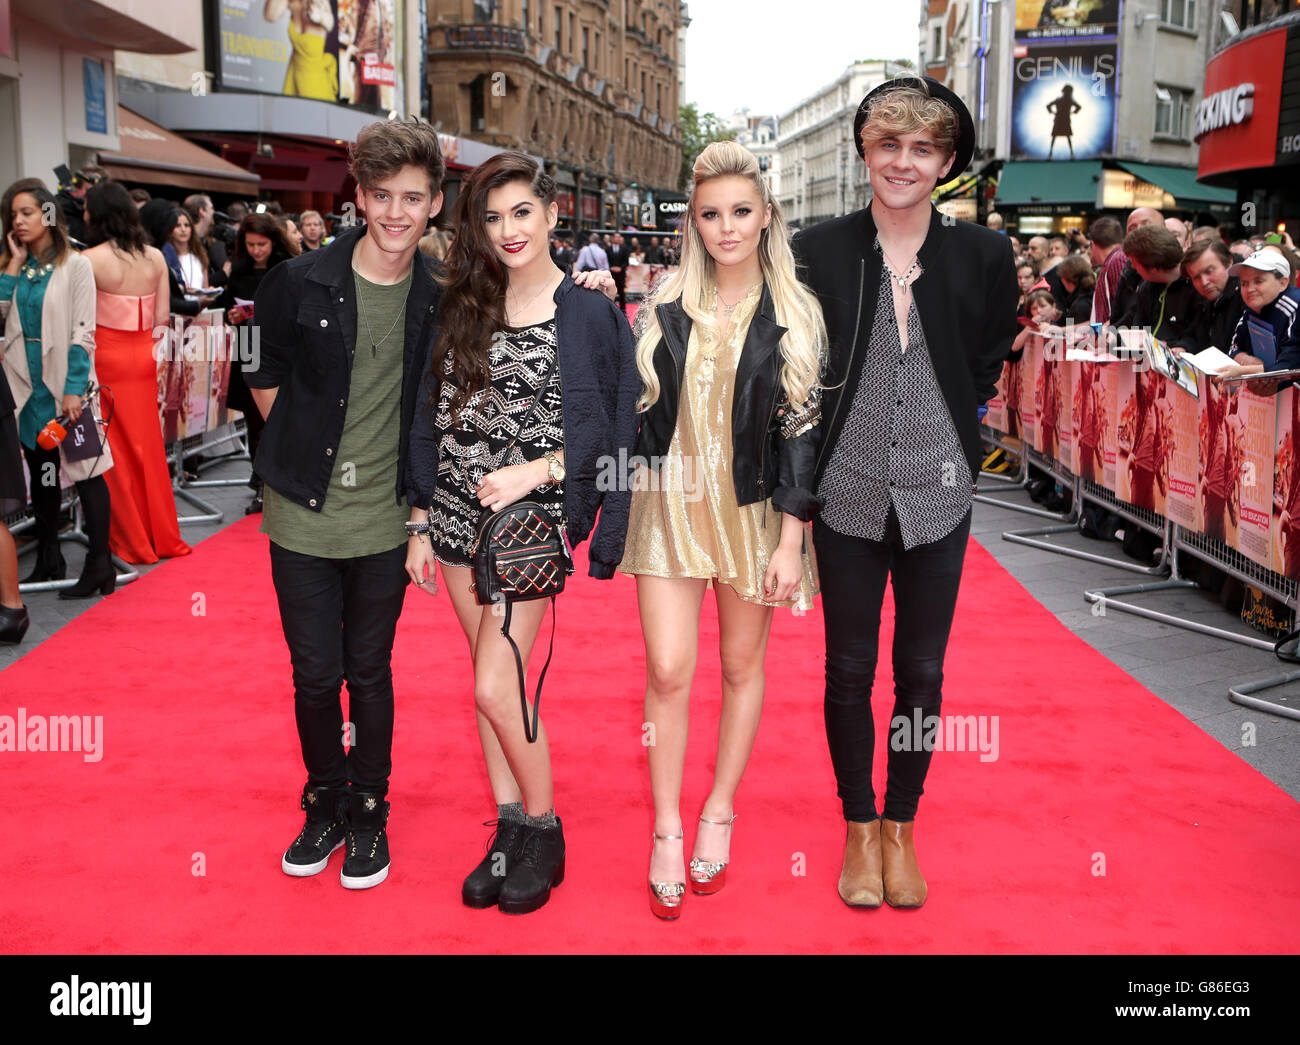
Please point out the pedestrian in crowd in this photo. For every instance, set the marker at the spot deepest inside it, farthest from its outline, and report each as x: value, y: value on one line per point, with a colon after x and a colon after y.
x: 130, y: 284
x: 1079, y: 282
x: 1207, y: 232
x: 1126, y: 286
x: 14, y: 618
x: 635, y: 255
x: 1182, y: 232
x: 237, y: 212
x: 71, y: 201
x: 293, y: 233
x: 618, y: 263
x: 159, y: 218
x: 592, y: 257
x: 1267, y: 335
x: 994, y: 221
x: 47, y: 303
x: 1106, y: 252
x: 1241, y: 249
x: 1015, y: 246
x: 733, y: 448
x: 260, y: 245
x: 654, y: 254
x: 1025, y: 278
x: 1036, y: 252
x: 312, y: 226
x: 203, y: 216
x: 514, y: 411
x: 436, y: 244
x: 343, y: 331
x: 1166, y: 303
x: 1058, y: 249
x: 1206, y: 263
x: 919, y: 330
x: 187, y: 257
x: 140, y: 197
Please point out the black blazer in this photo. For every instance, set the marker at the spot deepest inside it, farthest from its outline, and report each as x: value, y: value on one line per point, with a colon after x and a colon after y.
x: 966, y: 300
x: 599, y: 386
x: 306, y: 311
x: 764, y: 462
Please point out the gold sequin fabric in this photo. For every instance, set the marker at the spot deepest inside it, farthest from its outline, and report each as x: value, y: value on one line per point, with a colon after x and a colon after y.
x: 685, y: 521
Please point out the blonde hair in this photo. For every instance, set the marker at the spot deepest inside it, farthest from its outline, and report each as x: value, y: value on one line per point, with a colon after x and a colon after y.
x: 908, y: 110
x: 803, y: 346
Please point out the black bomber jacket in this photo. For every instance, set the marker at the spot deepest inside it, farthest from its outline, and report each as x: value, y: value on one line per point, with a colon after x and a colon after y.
x: 774, y: 447
x: 306, y: 316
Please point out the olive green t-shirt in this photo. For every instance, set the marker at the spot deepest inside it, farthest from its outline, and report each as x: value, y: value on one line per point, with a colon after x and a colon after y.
x: 361, y: 514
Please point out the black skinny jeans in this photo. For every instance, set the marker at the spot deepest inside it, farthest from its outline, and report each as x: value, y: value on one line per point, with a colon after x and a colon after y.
x: 925, y: 580
x: 339, y: 618
x: 93, y: 494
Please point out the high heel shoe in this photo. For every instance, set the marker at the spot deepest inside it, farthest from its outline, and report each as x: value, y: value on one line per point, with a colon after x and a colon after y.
x: 709, y: 876
x: 13, y: 624
x: 666, y: 897
x: 97, y: 574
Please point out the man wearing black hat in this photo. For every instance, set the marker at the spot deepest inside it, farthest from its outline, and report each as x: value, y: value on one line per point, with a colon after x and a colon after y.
x: 921, y: 312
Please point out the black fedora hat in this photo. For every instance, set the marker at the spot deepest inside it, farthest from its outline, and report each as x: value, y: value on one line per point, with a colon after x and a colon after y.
x: 964, y: 147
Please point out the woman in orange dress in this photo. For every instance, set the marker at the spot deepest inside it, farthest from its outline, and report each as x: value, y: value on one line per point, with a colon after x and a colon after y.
x: 130, y: 278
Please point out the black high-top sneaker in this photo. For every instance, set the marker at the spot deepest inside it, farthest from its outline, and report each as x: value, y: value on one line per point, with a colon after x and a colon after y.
x: 366, y: 863
x: 483, y: 886
x: 537, y: 869
x: 320, y: 835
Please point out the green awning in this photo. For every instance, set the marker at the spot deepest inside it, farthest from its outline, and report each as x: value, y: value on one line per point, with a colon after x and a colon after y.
x: 1049, y: 181
x: 1180, y: 182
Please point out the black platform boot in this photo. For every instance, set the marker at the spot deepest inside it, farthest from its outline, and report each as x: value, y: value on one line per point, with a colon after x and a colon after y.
x: 366, y: 864
x: 98, y: 574
x: 321, y: 834
x: 483, y: 886
x: 50, y: 564
x: 538, y: 868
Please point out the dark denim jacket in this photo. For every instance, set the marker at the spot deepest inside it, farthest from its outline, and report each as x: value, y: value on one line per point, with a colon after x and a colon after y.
x: 599, y: 386
x: 306, y: 315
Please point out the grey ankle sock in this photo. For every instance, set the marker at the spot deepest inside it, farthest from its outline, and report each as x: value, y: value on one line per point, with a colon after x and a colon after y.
x: 547, y: 819
x: 511, y: 813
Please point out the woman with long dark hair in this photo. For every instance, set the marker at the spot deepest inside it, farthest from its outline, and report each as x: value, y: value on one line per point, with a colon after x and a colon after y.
x: 533, y: 384
x: 47, y: 302
x: 130, y: 283
x: 260, y: 245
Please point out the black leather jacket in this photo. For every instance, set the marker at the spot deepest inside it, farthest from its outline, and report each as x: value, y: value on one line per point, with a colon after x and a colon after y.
x: 774, y: 447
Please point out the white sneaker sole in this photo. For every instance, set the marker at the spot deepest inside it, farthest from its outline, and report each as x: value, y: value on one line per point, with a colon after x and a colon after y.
x: 368, y: 882
x: 306, y: 870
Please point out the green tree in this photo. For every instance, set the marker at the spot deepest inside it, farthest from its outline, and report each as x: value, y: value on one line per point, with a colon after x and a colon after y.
x: 697, y: 132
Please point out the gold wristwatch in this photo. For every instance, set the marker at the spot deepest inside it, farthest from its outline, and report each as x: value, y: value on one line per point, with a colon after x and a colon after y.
x: 554, y: 469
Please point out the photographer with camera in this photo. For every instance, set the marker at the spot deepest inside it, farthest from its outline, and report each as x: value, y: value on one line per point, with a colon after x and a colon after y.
x: 71, y: 198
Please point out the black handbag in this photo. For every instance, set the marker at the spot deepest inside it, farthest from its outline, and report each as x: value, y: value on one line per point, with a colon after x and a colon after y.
x: 520, y: 553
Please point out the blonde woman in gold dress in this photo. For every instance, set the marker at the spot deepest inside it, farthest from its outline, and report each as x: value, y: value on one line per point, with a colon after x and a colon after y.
x: 729, y: 350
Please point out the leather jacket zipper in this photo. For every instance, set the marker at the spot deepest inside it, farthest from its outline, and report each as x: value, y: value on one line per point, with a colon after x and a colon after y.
x: 862, y: 289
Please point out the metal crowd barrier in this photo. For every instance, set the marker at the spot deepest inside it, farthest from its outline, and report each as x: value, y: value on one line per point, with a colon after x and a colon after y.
x: 23, y: 521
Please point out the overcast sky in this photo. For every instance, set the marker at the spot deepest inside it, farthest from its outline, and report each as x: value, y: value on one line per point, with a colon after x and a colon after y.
x: 770, y: 56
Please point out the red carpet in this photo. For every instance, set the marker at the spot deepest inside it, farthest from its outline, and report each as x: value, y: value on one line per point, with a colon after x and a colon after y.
x: 201, y: 770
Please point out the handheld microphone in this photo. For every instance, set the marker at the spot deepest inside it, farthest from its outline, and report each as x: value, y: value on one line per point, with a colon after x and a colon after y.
x: 53, y: 433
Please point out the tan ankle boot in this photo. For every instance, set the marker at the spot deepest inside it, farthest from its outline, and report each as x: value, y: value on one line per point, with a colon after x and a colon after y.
x: 904, y: 886
x: 860, y: 880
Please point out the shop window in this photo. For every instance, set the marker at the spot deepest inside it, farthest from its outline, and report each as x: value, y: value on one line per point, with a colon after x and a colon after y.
x: 477, y: 104
x: 559, y: 29
x: 1173, y: 112
x: 484, y: 10
x: 1181, y: 13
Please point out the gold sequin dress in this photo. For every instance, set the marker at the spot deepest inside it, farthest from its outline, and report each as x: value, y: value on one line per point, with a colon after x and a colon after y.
x: 685, y: 521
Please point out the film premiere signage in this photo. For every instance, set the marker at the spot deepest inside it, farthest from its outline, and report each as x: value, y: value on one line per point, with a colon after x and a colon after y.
x: 352, y: 57
x: 1221, y: 463
x: 1064, y: 104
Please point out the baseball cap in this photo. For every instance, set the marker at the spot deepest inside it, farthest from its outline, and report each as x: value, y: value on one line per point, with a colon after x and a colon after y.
x: 1264, y: 261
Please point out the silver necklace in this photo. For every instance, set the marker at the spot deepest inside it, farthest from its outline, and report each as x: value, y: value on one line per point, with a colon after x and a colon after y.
x: 904, y: 280
x: 374, y: 345
x: 728, y: 309
x: 520, y: 311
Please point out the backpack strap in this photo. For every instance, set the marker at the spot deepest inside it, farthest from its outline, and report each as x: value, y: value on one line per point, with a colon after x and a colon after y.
x: 529, y: 733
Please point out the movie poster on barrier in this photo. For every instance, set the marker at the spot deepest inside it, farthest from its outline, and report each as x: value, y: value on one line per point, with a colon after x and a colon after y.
x: 219, y: 389
x: 1030, y: 364
x: 1286, y: 485
x: 195, y: 377
x: 169, y: 379
x: 1183, y: 506
x: 1049, y: 398
x: 1146, y: 438
x: 1065, y: 375
x: 1255, y: 514
x: 1222, y: 437
x: 997, y: 417
x: 1092, y: 409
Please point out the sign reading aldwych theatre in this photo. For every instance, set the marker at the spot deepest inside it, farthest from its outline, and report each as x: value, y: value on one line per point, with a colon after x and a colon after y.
x: 1067, y: 19
x: 1063, y: 103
